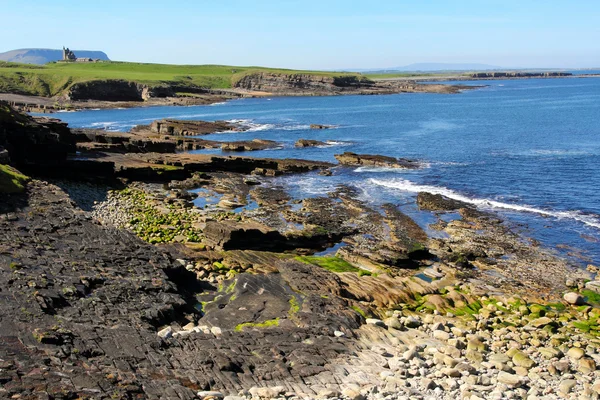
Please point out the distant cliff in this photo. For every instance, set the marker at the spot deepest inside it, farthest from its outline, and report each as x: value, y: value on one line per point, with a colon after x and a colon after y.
x: 301, y: 83
x: 43, y: 56
x: 486, y: 75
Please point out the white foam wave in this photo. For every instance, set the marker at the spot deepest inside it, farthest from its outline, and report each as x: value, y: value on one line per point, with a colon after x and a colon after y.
x: 252, y: 126
x: 334, y: 143
x: 109, y: 123
x: 545, y: 153
x: 298, y: 127
x: 312, y: 185
x: 408, y: 186
x: 384, y: 169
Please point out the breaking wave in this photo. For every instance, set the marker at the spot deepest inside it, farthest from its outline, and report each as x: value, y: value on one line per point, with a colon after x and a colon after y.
x: 408, y: 186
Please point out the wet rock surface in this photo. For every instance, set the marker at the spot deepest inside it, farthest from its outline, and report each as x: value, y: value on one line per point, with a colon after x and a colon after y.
x: 437, y: 202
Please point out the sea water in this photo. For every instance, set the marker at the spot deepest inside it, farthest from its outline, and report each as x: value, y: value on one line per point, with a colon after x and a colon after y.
x: 528, y: 149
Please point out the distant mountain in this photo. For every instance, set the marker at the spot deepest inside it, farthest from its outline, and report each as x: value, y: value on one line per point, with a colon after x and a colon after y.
x: 43, y: 56
x: 431, y: 67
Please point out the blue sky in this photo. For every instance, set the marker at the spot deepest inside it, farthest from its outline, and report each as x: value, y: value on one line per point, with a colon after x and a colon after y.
x: 326, y: 34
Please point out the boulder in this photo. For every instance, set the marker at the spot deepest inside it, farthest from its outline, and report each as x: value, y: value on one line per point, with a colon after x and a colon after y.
x: 574, y: 298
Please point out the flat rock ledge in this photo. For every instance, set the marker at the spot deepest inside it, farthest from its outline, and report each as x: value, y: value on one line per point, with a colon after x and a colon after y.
x: 353, y: 159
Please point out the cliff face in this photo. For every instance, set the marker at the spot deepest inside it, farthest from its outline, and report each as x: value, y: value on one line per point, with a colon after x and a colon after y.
x: 28, y: 141
x: 315, y: 85
x: 117, y: 90
x: 301, y: 83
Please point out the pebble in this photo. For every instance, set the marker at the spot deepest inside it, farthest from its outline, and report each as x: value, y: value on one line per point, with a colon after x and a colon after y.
x: 412, y: 322
x: 410, y: 354
x: 393, y: 322
x: 567, y: 385
x: 511, y: 380
x: 267, y: 392
x: 209, y: 395
x: 165, y: 333
x: 375, y: 321
x: 586, y: 365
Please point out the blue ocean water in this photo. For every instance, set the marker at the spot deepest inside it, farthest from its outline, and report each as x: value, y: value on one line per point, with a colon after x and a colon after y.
x: 528, y: 149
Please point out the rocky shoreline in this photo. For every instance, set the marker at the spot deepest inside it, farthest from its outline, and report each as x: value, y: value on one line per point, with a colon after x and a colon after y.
x: 116, y: 93
x: 176, y: 276
x: 110, y: 94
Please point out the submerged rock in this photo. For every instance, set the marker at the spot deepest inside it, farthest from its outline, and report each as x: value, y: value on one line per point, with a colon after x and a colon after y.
x: 319, y: 126
x: 309, y: 143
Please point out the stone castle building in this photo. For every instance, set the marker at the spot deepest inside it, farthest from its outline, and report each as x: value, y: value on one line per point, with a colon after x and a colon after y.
x: 69, y: 56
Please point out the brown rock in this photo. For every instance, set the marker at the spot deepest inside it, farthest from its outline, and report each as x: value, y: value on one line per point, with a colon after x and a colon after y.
x: 191, y: 128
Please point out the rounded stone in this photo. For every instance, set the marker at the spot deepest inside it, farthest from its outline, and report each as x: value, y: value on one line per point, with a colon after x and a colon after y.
x: 575, y: 353
x: 574, y: 298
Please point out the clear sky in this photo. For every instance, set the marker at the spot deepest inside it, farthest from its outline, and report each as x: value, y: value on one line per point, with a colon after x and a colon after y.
x: 317, y: 34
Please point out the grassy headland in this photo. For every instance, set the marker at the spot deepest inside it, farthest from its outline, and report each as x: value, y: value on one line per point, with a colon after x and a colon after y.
x: 56, y: 78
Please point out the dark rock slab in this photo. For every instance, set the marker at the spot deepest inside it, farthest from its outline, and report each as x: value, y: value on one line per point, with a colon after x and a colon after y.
x: 354, y: 159
x: 437, y: 202
x: 250, y: 145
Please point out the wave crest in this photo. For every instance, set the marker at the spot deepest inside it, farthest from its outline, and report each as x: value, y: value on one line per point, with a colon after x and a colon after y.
x: 408, y: 186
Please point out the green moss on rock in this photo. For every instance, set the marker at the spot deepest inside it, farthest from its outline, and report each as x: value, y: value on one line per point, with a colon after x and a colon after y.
x: 11, y: 180
x: 266, y: 324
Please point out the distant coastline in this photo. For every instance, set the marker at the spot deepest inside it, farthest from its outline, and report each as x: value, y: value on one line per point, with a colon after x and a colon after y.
x: 66, y: 86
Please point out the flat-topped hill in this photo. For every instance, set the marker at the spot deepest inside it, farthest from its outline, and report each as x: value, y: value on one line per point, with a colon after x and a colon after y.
x: 43, y: 56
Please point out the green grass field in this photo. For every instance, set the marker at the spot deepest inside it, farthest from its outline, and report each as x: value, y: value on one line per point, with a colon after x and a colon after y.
x: 54, y: 78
